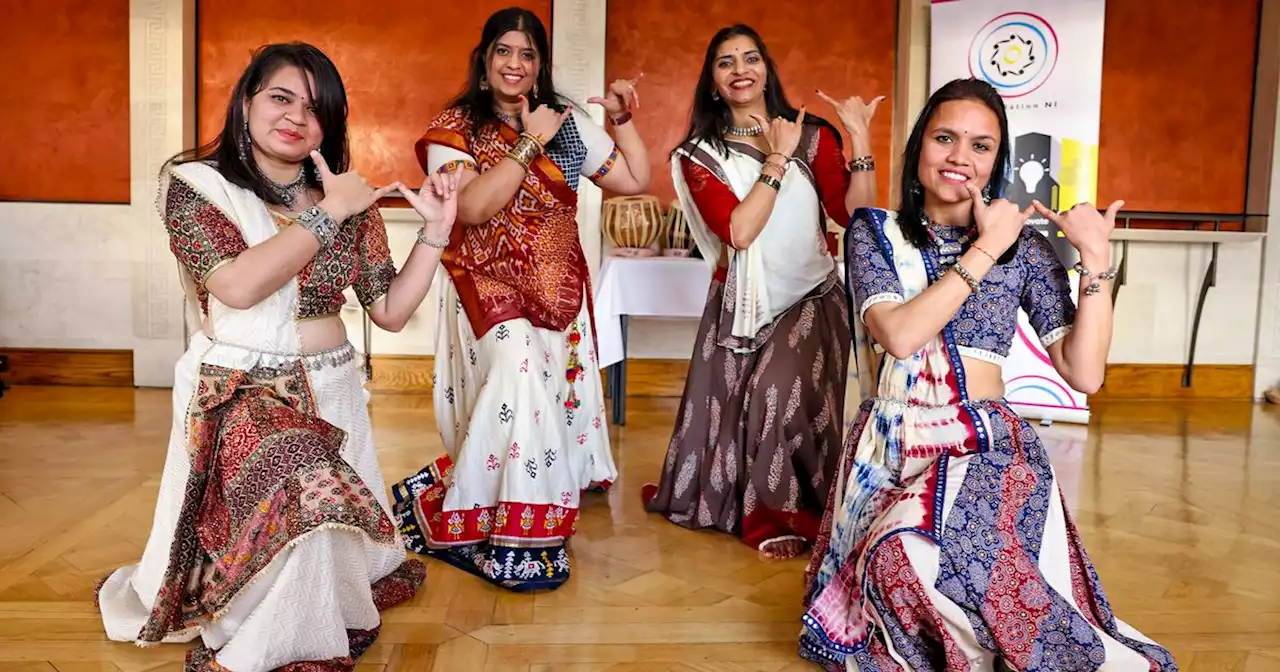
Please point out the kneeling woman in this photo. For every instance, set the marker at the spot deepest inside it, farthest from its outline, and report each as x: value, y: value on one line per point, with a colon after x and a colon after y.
x: 757, y: 435
x: 272, y: 539
x: 518, y: 398
x: 946, y: 544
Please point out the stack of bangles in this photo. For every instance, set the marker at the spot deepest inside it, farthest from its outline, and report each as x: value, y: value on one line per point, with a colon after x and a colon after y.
x: 526, y: 150
x: 772, y: 172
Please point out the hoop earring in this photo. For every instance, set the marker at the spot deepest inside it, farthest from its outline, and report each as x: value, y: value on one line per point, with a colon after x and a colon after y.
x: 484, y: 83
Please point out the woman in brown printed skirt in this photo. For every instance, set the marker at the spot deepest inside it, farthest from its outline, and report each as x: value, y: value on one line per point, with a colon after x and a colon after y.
x: 758, y: 434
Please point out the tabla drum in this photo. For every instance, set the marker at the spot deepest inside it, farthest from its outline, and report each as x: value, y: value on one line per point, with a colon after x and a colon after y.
x: 633, y: 224
x: 678, y: 239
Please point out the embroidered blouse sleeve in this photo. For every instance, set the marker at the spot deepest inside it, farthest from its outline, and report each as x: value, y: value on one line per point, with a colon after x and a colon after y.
x: 442, y: 159
x: 602, y: 151
x: 201, y: 235
x: 375, y: 270
x: 1046, y: 295
x: 832, y: 175
x: 714, y: 199
x: 871, y: 276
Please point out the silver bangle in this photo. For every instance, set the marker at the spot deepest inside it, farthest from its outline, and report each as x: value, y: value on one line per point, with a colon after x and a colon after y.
x: 320, y: 223
x: 422, y: 238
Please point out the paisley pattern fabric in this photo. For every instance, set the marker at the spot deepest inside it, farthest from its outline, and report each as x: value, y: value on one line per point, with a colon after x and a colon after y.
x: 757, y: 435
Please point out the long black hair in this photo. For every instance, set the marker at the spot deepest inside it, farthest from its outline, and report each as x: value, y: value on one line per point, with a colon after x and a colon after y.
x: 478, y: 100
x: 911, y: 210
x: 329, y: 100
x: 710, y: 117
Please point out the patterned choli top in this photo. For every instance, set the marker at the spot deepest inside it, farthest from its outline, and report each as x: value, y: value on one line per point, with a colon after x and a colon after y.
x: 204, y: 238
x: 984, y: 327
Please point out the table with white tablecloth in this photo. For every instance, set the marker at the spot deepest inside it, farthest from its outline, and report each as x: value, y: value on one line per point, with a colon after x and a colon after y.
x: 670, y: 287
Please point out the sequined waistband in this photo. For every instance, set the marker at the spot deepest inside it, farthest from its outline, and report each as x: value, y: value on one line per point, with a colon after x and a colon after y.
x: 313, y: 361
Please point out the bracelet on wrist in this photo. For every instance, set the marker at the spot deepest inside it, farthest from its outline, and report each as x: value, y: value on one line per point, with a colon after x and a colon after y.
x: 1095, y: 286
x: 862, y: 164
x: 985, y: 253
x: 621, y: 119
x: 964, y: 273
x: 438, y: 244
x: 320, y: 223
x: 770, y: 181
x: 526, y: 149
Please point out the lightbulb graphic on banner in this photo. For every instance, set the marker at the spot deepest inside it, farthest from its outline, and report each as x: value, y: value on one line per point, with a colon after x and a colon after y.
x: 1044, y: 57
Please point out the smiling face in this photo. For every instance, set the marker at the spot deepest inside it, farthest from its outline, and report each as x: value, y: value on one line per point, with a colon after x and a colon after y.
x: 513, y: 65
x: 739, y: 70
x: 960, y: 145
x: 281, y: 116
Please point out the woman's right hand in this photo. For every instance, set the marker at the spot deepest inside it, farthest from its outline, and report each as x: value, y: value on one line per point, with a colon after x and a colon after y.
x: 1000, y: 222
x: 542, y: 123
x: 783, y: 136
x: 346, y: 194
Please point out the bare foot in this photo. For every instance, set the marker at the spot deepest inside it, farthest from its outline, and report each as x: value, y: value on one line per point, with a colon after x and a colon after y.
x: 782, y: 548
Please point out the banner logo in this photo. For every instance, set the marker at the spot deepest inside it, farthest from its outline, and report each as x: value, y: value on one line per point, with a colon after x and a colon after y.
x: 1015, y: 52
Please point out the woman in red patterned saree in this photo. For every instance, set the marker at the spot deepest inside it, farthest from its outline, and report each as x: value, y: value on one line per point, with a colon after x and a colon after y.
x: 518, y: 397
x: 272, y: 539
x: 757, y: 436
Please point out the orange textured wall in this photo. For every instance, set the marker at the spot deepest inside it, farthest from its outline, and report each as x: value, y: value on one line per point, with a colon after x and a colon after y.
x: 844, y: 47
x: 64, y: 101
x: 1177, y: 97
x: 401, y: 61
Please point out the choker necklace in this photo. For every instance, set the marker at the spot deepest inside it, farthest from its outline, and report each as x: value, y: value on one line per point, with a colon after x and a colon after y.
x: 513, y: 121
x: 288, y: 192
x: 744, y: 132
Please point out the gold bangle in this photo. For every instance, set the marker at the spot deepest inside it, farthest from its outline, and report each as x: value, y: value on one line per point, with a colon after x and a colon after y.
x: 862, y: 164
x: 525, y: 151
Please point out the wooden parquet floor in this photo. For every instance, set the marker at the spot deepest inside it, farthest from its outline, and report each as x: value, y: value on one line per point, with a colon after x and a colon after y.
x: 1179, y: 506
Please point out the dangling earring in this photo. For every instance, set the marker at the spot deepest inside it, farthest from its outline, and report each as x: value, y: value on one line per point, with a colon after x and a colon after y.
x: 917, y: 190
x: 245, y: 148
x: 986, y: 194
x: 535, y: 89
x: 715, y: 95
x: 484, y: 83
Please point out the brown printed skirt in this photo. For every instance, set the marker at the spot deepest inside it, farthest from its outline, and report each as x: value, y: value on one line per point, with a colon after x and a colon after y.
x: 757, y: 435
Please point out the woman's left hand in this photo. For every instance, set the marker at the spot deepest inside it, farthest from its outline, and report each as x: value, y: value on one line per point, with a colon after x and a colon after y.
x: 1088, y: 230
x: 436, y: 202
x: 621, y: 98
x: 855, y: 115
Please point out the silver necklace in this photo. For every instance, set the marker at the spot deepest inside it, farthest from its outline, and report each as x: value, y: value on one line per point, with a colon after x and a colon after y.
x: 288, y: 193
x: 744, y: 132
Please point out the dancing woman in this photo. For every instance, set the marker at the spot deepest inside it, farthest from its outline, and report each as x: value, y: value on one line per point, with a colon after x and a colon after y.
x: 757, y: 436
x: 946, y: 543
x: 518, y: 396
x: 272, y: 539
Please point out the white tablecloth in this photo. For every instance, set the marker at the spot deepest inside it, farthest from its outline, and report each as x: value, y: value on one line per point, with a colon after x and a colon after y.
x: 646, y: 287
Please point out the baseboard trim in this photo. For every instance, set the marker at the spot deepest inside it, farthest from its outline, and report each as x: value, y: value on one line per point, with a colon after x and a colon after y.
x: 67, y: 366
x: 1159, y: 382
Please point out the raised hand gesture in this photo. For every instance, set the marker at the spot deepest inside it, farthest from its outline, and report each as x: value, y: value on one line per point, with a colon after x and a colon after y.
x: 346, y: 194
x: 542, y: 123
x: 999, y: 222
x: 621, y: 98
x: 1088, y: 230
x: 855, y: 115
x: 436, y: 202
x: 781, y: 135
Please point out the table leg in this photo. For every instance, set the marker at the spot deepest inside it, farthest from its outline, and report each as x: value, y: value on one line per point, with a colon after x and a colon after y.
x: 618, y: 381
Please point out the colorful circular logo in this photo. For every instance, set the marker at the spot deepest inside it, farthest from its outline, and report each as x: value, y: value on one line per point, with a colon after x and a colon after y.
x: 1015, y: 52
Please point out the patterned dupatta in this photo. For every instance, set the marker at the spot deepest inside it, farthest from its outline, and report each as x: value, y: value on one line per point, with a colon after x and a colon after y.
x: 527, y: 261
x: 786, y: 261
x: 894, y: 482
